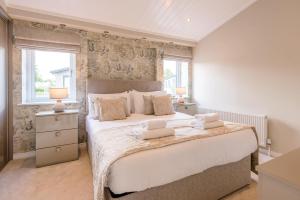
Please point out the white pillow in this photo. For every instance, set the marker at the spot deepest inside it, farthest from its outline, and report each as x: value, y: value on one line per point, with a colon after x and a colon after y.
x: 131, y: 95
x: 93, y: 113
x: 139, y: 100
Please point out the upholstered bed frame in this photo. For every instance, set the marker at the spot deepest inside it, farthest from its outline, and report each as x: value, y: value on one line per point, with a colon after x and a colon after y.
x: 210, y: 184
x: 117, y: 86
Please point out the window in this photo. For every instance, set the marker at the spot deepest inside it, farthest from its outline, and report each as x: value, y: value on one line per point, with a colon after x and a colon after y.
x: 42, y: 70
x: 176, y: 74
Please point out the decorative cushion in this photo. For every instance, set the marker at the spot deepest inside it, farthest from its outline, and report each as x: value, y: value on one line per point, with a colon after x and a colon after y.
x: 93, y: 107
x: 126, y: 108
x: 139, y: 100
x: 97, y: 106
x: 111, y: 109
x: 148, y: 105
x: 162, y: 105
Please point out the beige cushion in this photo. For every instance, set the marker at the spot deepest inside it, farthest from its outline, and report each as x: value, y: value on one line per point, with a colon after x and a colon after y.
x: 124, y: 99
x: 126, y: 108
x: 163, y: 105
x: 148, y: 105
x: 139, y: 101
x: 111, y: 109
x: 93, y: 107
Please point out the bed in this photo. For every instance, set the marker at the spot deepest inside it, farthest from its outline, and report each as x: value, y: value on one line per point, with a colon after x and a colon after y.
x: 207, y: 168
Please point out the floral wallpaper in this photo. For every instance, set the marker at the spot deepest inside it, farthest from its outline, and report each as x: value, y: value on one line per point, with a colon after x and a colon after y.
x: 102, y: 56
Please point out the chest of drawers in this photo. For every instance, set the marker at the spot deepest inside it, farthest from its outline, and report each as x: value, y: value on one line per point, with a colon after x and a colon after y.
x: 56, y: 137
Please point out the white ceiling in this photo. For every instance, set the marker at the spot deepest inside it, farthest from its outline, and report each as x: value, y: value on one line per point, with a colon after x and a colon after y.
x: 167, y: 18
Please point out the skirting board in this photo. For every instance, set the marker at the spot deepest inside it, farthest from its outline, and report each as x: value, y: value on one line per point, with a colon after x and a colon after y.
x: 273, y: 153
x: 30, y: 154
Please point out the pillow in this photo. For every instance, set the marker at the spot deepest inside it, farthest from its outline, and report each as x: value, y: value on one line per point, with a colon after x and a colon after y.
x: 97, y: 106
x: 163, y: 105
x: 148, y: 105
x: 93, y: 107
x: 91, y: 102
x: 126, y: 108
x: 111, y: 109
x: 139, y: 101
x: 131, y: 96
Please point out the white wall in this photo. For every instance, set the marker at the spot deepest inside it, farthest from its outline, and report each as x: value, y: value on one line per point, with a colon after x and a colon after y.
x: 252, y: 65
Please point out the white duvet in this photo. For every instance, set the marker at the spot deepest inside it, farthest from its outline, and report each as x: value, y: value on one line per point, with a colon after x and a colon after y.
x: 156, y: 167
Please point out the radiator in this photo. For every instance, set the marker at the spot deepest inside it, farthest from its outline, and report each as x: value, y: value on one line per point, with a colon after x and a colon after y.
x: 260, y: 122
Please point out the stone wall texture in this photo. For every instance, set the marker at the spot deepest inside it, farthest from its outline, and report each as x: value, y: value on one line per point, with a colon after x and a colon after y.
x: 102, y: 56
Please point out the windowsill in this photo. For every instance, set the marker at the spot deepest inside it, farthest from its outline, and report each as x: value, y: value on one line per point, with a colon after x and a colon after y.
x: 45, y: 103
x: 185, y: 97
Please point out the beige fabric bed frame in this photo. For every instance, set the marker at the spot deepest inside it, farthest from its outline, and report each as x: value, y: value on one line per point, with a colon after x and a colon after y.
x: 117, y: 86
x: 210, y: 184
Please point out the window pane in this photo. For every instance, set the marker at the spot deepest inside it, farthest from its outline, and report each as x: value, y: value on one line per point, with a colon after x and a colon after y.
x: 51, y: 69
x: 170, y: 76
x: 176, y: 74
x: 185, y: 76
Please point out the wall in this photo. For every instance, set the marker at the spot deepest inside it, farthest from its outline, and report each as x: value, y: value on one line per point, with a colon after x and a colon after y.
x: 252, y: 65
x: 102, y: 56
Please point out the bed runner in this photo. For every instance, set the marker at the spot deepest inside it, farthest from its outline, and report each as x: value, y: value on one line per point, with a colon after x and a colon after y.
x: 109, y: 145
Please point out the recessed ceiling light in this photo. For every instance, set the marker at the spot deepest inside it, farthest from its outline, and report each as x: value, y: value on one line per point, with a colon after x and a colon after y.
x: 188, y: 19
x: 168, y: 3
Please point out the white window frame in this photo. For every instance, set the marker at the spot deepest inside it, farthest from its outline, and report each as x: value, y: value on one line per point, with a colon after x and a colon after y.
x: 28, y: 78
x: 178, y: 75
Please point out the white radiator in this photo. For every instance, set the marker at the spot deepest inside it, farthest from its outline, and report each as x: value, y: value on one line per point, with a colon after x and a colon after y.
x: 260, y: 122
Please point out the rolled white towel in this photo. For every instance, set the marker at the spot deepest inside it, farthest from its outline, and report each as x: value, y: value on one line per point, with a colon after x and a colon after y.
x: 179, y: 123
x: 157, y: 133
x: 208, y: 125
x: 209, y: 117
x: 154, y: 124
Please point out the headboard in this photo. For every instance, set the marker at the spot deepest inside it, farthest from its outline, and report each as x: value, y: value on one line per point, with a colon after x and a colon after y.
x: 117, y: 86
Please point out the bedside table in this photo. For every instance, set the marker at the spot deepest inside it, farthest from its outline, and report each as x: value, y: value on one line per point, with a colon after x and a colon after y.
x: 187, y: 108
x: 56, y: 137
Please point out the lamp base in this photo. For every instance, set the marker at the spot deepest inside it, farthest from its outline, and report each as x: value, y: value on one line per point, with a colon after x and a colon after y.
x: 181, y: 100
x: 59, y: 106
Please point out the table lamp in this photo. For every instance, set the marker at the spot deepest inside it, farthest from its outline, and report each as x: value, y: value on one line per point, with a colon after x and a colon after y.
x: 58, y: 94
x: 180, y: 92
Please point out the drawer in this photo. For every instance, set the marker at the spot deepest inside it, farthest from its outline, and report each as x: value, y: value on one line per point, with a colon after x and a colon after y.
x: 54, y: 155
x: 190, y: 110
x: 56, y: 122
x: 56, y: 138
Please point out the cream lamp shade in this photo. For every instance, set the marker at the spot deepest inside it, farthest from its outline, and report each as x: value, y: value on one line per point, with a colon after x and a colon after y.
x: 180, y: 91
x: 58, y: 93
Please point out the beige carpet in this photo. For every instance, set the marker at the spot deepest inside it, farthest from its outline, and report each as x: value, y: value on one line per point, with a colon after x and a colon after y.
x: 20, y: 180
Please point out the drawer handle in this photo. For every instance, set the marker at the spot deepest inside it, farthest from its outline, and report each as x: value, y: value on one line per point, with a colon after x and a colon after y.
x: 56, y: 118
x: 58, y: 149
x: 57, y: 134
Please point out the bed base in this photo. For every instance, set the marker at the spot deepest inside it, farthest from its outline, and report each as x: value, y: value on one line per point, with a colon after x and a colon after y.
x: 211, y: 184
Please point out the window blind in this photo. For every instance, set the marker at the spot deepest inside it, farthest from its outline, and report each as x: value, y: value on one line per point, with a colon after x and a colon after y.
x: 173, y: 53
x: 43, y: 39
